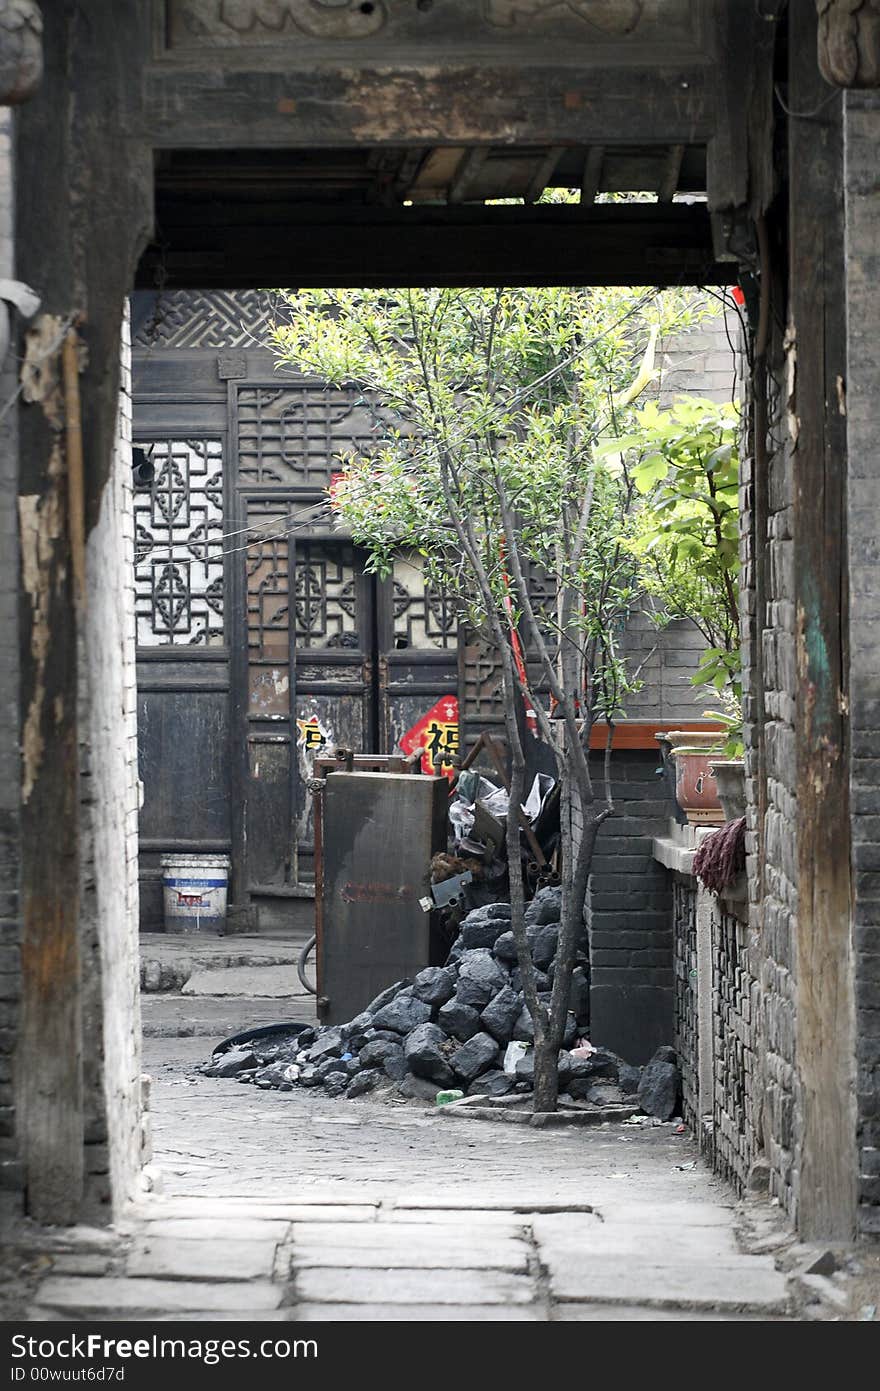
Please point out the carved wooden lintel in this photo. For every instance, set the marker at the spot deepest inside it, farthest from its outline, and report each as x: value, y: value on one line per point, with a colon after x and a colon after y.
x: 21, y: 50
x: 849, y: 42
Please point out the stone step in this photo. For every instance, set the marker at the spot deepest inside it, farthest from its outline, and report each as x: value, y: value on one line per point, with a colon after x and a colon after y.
x: 169, y: 961
x: 181, y: 1016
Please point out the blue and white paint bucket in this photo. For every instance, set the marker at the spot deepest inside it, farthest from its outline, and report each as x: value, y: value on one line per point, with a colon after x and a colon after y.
x: 194, y: 888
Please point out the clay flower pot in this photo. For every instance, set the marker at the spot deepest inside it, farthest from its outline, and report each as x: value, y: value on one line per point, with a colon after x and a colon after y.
x: 730, y: 780
x: 695, y: 787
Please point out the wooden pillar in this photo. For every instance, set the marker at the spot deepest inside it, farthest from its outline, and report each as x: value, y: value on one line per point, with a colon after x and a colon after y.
x: 817, y: 422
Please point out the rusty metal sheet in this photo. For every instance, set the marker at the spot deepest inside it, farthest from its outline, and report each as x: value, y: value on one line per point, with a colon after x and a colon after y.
x: 379, y: 833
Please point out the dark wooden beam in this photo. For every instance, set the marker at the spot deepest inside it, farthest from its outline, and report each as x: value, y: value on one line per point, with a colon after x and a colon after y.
x: 220, y: 245
x: 189, y: 107
x: 825, y: 1009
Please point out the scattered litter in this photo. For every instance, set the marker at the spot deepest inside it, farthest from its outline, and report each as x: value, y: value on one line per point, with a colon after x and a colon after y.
x: 444, y: 1098
x: 868, y: 1312
x: 512, y: 1055
x: 680, y: 1130
x: 686, y: 1168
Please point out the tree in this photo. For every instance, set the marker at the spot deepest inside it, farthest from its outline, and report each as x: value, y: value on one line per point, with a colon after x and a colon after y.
x: 489, y: 404
x: 686, y: 539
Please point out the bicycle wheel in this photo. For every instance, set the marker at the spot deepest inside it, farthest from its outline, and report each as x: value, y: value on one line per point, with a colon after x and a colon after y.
x: 301, y: 965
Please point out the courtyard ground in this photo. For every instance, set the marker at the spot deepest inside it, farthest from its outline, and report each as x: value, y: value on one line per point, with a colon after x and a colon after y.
x: 296, y: 1206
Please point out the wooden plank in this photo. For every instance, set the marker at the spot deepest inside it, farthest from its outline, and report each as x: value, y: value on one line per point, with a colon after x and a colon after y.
x: 460, y: 104
x: 825, y: 1009
x: 671, y: 171
x: 592, y: 175
x: 631, y: 734
x: 543, y: 174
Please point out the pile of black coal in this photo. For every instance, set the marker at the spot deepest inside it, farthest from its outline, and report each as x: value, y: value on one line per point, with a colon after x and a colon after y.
x: 452, y: 1027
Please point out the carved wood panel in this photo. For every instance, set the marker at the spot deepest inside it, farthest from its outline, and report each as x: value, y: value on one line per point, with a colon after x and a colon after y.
x: 190, y: 26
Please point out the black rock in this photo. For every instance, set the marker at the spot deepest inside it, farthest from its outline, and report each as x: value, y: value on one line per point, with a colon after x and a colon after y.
x: 659, y: 1089
x: 543, y: 943
x: 358, y: 1025
x: 394, y: 1066
x: 501, y: 1014
x: 523, y: 1029
x: 505, y: 947
x: 525, y: 1067
x: 374, y: 1052
x: 388, y: 1036
x: 599, y: 1064
x: 230, y: 1064
x: 475, y: 1056
x: 494, y: 1083
x: 577, y: 1087
x: 423, y: 1055
x: 336, y: 1083
x: 665, y: 1055
x: 247, y: 1076
x: 570, y: 1032
x: 434, y: 985
x: 459, y: 1021
x: 563, y: 1066
x: 363, y: 1083
x: 579, y: 999
x: 628, y: 1078
x: 522, y: 1086
x: 386, y: 996
x: 330, y: 1065
x: 483, y: 926
x: 309, y: 1076
x: 452, y: 961
x: 306, y: 1037
x: 418, y: 1088
x: 487, y: 912
x: 479, y: 979
x: 605, y: 1094
x: 276, y: 1074
x: 328, y: 1044
x: 542, y: 981
x: 545, y: 907
x: 402, y: 1015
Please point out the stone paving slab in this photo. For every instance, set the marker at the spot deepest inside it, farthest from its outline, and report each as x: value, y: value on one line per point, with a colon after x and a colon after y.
x: 582, y: 1276
x: 236, y: 1229
x: 412, y: 1313
x: 143, y: 1298
x: 404, y: 1287
x: 511, y: 1222
x: 257, y: 1210
x: 654, y: 1262
x: 258, y: 981
x: 641, y: 1313
x: 647, y: 1238
x: 429, y: 1248
x: 188, y: 1258
x: 215, y: 1018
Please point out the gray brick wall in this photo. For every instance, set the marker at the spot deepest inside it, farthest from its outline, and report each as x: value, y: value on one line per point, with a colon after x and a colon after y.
x: 862, y: 127
x: 730, y: 1139
x: 773, y: 894
x: 686, y: 1040
x: 10, y: 775
x: 630, y: 916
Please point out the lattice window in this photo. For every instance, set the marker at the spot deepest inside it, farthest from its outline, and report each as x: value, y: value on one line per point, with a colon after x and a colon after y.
x: 325, y: 591
x: 298, y: 435
x: 179, y: 546
x: 423, y: 617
